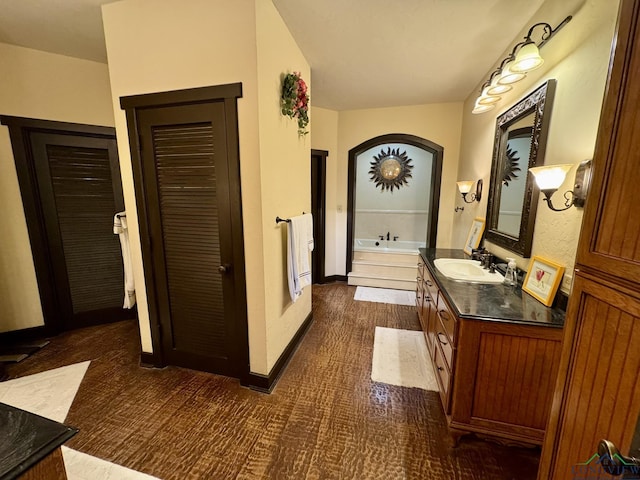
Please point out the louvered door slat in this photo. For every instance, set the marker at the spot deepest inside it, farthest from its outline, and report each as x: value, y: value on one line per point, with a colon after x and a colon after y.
x: 84, y: 199
x: 187, y: 195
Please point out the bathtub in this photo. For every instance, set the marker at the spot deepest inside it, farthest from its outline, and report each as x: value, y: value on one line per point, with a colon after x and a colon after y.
x: 387, y: 246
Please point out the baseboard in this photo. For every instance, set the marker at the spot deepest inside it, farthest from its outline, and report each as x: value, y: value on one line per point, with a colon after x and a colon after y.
x: 150, y: 360
x: 266, y: 383
x: 335, y: 278
x: 26, y: 334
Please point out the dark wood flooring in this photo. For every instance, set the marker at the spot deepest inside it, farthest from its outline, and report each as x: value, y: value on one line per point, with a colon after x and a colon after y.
x: 326, y: 419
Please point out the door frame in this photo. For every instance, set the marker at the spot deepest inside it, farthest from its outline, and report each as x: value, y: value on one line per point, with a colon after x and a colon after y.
x: 436, y: 150
x: 319, y: 178
x: 228, y: 94
x: 20, y: 130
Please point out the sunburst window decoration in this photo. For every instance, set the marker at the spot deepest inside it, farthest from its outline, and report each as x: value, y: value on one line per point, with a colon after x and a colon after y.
x: 390, y: 169
x: 510, y: 167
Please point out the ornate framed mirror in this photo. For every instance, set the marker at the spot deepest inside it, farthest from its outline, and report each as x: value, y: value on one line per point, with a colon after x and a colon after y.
x: 520, y: 143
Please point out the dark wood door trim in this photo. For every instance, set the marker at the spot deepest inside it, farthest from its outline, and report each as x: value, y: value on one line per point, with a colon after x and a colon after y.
x: 424, y: 144
x: 228, y: 94
x: 319, y: 179
x: 20, y: 131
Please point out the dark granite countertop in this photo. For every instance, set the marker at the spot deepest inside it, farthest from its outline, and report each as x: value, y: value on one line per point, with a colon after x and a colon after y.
x: 26, y: 438
x: 499, y: 303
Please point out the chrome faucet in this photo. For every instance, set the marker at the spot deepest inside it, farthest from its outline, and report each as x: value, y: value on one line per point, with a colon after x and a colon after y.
x: 387, y: 236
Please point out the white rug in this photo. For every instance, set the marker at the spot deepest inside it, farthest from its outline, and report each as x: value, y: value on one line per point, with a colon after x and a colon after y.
x: 50, y: 394
x: 400, y: 358
x: 385, y: 295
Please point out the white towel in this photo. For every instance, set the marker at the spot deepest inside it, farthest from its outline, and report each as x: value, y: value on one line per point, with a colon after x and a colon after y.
x: 299, y: 244
x: 120, y: 229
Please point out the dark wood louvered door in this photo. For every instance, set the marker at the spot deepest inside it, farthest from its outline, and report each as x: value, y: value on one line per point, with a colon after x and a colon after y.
x: 78, y: 183
x: 186, y: 181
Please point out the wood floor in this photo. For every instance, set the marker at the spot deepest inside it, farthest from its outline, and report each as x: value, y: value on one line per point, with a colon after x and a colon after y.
x: 324, y: 420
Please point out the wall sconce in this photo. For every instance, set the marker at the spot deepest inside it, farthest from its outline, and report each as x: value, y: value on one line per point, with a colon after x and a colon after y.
x: 465, y: 187
x: 524, y: 58
x: 550, y: 177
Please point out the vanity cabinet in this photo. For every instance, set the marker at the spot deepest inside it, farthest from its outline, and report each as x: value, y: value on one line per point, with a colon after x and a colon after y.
x: 495, y: 375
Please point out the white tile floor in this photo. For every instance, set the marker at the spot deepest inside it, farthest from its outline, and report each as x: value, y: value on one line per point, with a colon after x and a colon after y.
x: 50, y: 394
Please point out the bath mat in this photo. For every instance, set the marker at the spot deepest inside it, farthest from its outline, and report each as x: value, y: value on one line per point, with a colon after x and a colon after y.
x: 385, y: 295
x: 400, y: 358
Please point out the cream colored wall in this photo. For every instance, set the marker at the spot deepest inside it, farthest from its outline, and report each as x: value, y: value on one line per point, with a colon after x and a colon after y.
x: 578, y: 58
x: 325, y: 137
x: 285, y: 166
x: 156, y: 46
x: 45, y: 86
x: 439, y: 123
x: 214, y: 42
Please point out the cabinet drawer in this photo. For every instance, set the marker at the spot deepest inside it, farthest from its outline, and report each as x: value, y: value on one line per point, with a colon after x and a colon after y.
x: 443, y: 376
x: 445, y: 344
x: 430, y: 285
x: 446, y: 317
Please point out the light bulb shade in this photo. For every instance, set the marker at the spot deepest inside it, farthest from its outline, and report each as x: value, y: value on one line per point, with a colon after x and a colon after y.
x: 550, y: 177
x: 486, y: 99
x: 508, y: 76
x: 497, y: 89
x: 465, y: 186
x: 527, y: 59
x: 480, y: 108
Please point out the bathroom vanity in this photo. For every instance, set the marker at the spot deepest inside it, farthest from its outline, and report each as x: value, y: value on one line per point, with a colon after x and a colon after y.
x: 495, y: 352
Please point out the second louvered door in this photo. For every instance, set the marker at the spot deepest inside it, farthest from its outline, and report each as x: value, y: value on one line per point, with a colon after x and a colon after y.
x: 184, y: 158
x: 79, y: 189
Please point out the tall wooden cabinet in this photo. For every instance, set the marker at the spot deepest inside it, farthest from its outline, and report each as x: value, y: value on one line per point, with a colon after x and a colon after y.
x: 598, y: 391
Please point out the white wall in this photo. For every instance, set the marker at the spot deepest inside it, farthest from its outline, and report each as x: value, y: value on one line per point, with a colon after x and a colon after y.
x: 578, y: 58
x: 402, y: 212
x: 45, y: 86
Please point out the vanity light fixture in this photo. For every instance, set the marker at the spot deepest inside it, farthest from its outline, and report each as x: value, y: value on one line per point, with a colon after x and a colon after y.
x: 550, y: 177
x: 465, y: 187
x: 524, y: 58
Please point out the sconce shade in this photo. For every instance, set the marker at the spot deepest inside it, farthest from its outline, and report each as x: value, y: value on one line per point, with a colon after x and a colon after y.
x: 465, y: 186
x: 527, y: 59
x: 497, y: 88
x: 508, y: 76
x: 480, y: 108
x: 550, y: 177
x: 486, y: 99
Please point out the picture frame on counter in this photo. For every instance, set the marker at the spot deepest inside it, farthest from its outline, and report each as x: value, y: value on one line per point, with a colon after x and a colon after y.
x: 475, y: 235
x: 543, y: 279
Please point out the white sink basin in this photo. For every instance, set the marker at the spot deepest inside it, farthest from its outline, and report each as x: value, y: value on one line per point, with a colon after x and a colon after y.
x: 466, y: 271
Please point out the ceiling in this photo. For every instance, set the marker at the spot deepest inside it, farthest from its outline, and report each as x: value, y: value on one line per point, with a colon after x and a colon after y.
x: 363, y: 53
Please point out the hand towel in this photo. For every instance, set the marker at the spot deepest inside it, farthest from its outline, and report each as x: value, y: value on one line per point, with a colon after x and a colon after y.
x: 120, y: 229
x: 299, y: 244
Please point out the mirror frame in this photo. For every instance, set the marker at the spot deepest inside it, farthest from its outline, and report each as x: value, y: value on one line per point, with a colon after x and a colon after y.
x: 539, y: 101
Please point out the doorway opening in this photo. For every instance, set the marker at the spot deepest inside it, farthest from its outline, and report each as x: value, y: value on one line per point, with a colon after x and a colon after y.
x: 393, y: 203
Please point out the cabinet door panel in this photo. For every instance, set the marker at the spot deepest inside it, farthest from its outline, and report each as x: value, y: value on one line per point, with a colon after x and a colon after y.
x: 609, y: 239
x: 601, y: 386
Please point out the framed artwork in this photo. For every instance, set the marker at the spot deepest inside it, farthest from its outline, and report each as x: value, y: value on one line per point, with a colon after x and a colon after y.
x: 475, y: 235
x: 543, y: 279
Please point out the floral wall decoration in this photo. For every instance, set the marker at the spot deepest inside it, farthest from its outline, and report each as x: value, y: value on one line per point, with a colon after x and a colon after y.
x: 295, y: 100
x: 390, y: 169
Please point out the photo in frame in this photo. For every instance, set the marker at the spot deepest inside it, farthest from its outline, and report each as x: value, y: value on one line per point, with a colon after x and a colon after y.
x: 543, y: 279
x: 475, y: 235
